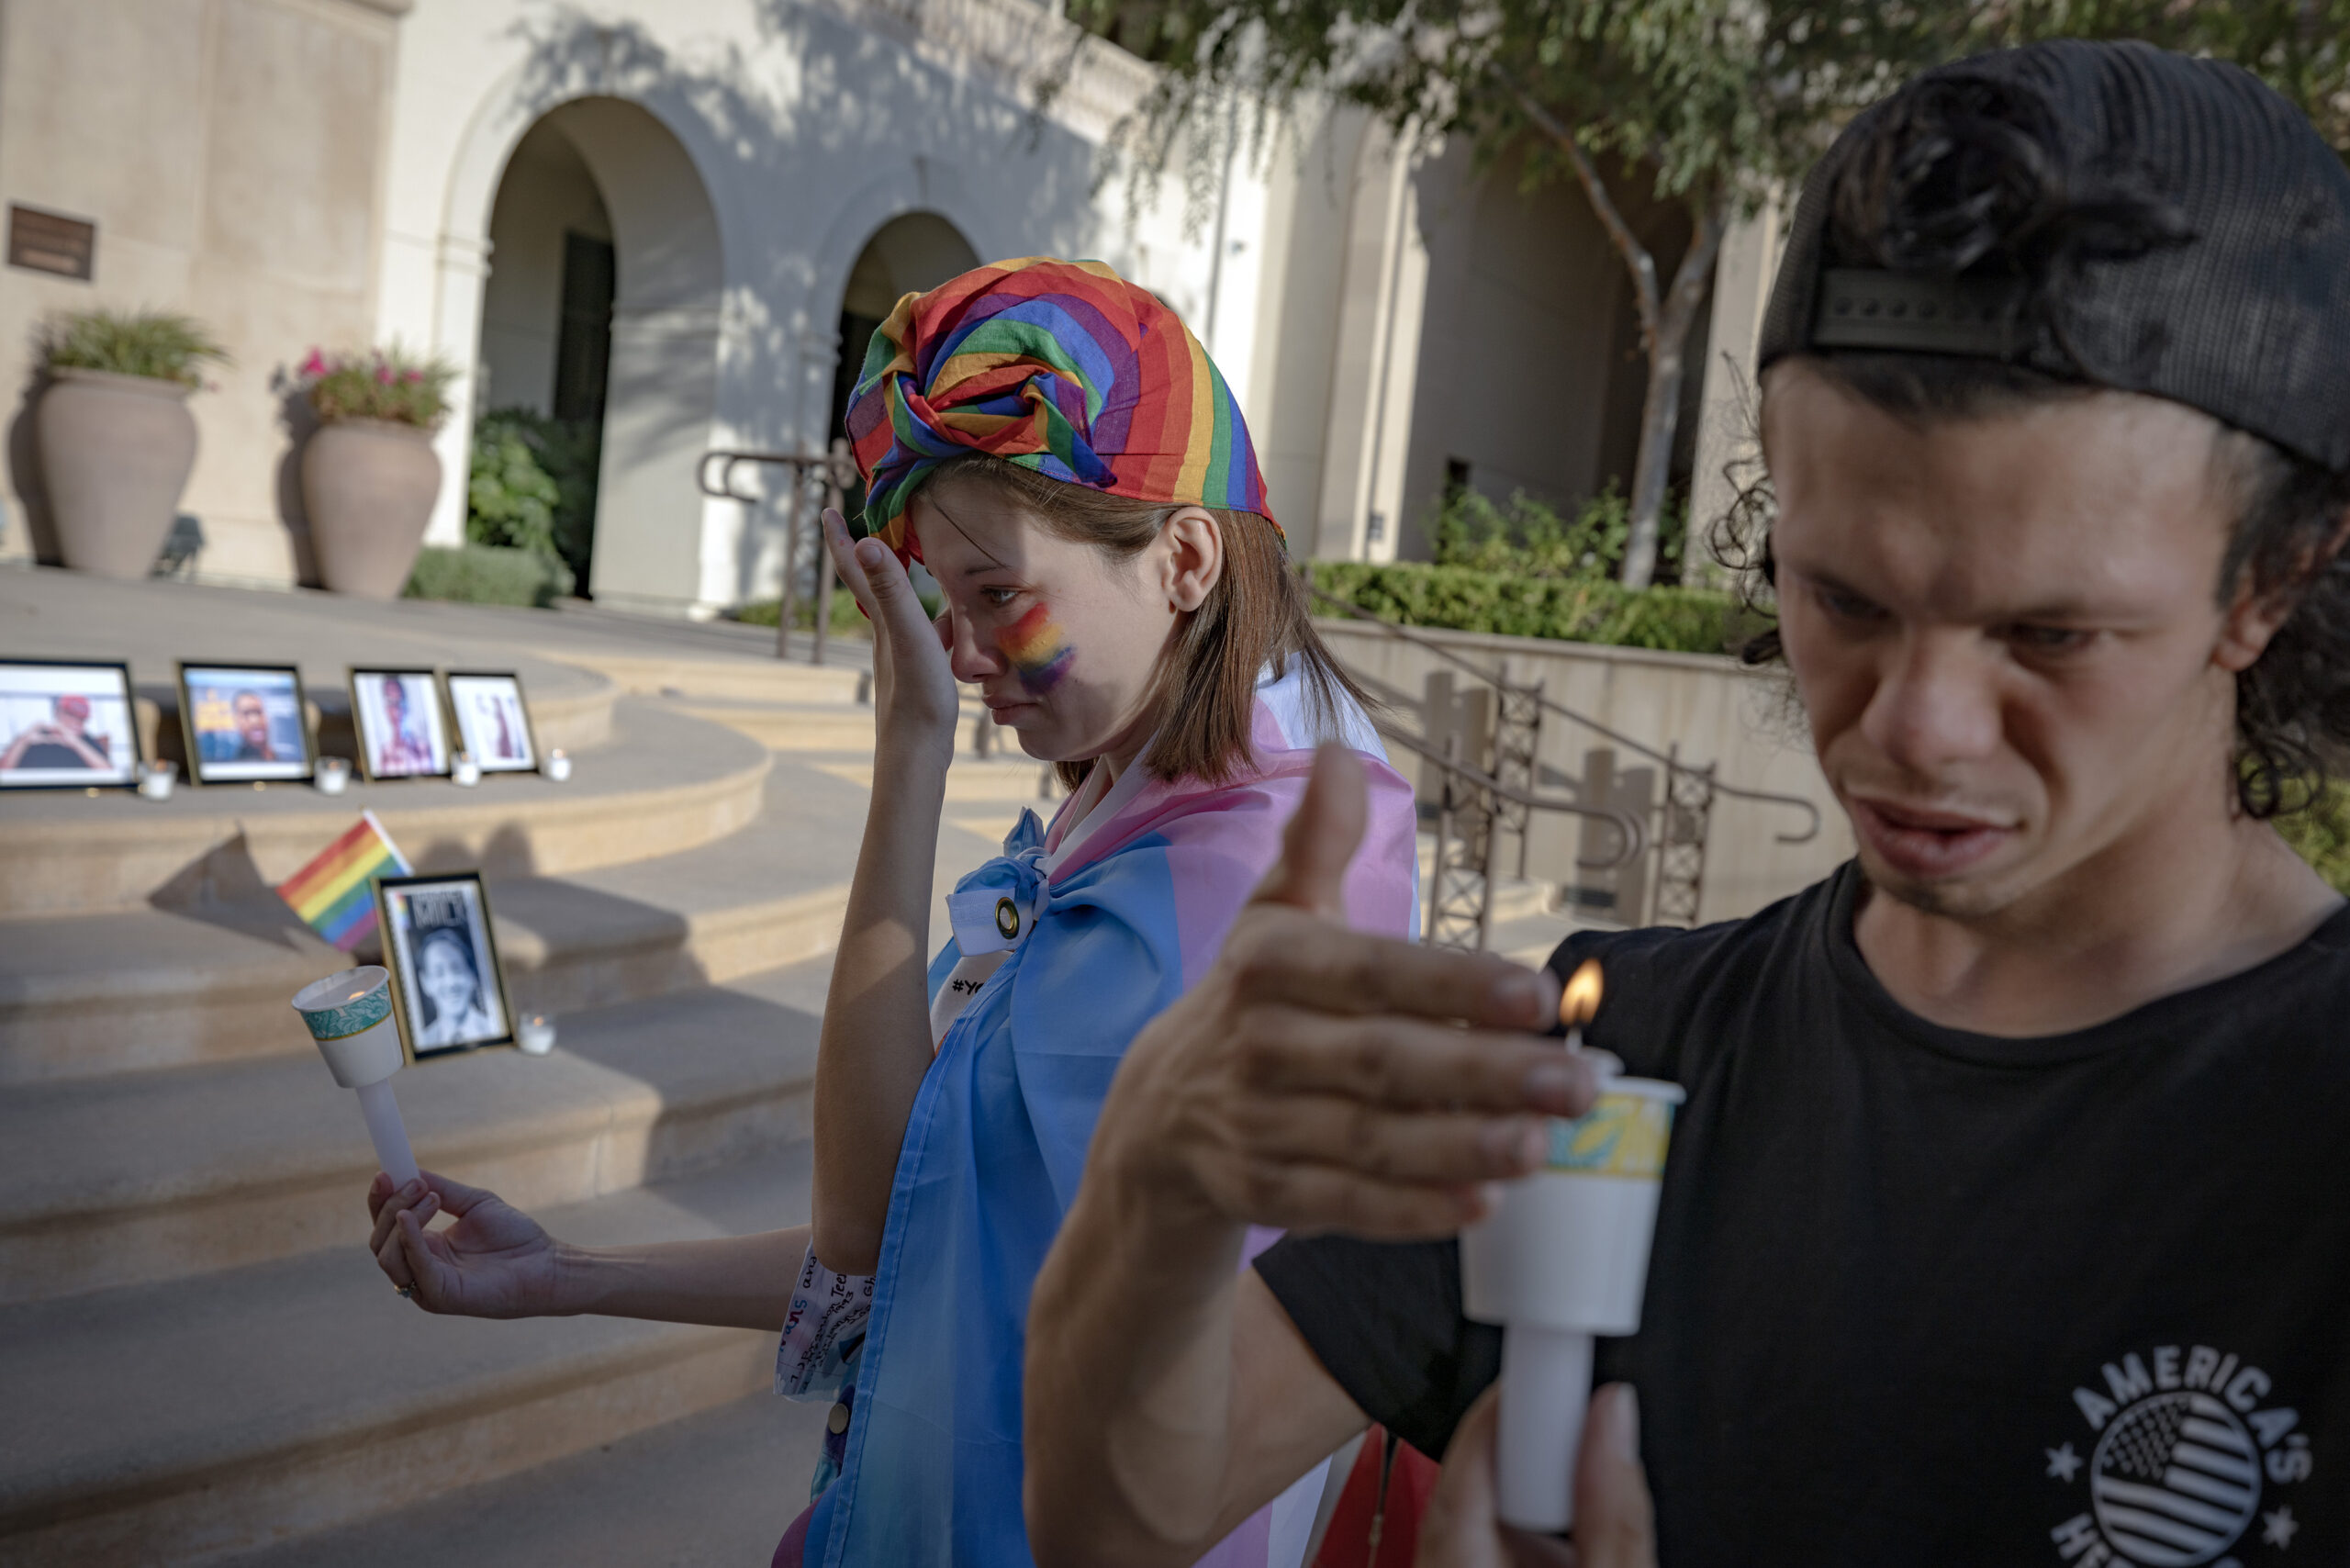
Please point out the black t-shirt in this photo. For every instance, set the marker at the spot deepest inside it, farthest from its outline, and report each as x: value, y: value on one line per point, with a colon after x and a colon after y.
x: 1925, y: 1296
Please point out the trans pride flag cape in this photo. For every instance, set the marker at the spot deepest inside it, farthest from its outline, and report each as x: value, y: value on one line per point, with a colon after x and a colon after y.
x: 1121, y: 914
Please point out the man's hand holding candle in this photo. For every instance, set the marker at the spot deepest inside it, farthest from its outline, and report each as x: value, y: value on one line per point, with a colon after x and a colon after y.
x: 1615, y: 1521
x: 1315, y: 1079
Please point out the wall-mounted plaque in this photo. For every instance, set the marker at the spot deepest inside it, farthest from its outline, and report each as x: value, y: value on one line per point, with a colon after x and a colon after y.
x: 52, y: 242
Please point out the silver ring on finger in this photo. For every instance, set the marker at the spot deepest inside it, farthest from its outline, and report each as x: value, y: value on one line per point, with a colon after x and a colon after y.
x: 407, y: 1291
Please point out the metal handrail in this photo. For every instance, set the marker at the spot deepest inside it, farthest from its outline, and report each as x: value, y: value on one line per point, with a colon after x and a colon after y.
x: 724, y: 489
x: 838, y: 471
x: 1497, y: 678
x: 1632, y: 836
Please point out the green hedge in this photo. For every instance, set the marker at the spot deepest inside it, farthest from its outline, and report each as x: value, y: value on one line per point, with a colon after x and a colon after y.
x: 1462, y: 598
x: 488, y: 574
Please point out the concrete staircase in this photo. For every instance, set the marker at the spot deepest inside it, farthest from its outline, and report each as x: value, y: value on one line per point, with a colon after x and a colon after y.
x: 200, y: 1359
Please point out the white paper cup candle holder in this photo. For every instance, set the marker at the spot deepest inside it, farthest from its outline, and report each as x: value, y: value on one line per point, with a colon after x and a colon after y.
x: 1562, y: 1257
x: 349, y: 1014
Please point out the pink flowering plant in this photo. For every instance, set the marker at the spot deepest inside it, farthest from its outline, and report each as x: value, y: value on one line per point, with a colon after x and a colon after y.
x: 382, y: 383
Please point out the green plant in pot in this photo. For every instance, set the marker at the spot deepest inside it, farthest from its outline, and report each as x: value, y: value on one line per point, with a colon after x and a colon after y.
x: 369, y: 473
x: 115, y: 437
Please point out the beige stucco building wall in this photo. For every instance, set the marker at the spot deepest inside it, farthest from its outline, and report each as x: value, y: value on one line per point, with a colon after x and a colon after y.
x: 231, y: 154
x: 1716, y: 712
x: 345, y: 172
x: 1432, y: 320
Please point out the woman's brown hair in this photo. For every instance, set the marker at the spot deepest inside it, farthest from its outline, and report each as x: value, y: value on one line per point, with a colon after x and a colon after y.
x: 1203, y: 699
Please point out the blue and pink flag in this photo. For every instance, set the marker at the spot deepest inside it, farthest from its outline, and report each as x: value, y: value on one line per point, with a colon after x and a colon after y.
x: 1099, y: 923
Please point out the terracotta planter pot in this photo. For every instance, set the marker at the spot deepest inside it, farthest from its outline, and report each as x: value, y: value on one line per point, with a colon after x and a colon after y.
x: 368, y: 485
x: 115, y: 454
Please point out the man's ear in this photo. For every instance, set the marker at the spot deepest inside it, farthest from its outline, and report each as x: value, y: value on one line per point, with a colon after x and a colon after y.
x: 2255, y: 618
x: 1194, y: 562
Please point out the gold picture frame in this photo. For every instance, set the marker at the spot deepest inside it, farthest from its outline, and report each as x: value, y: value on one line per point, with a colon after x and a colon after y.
x: 438, y: 939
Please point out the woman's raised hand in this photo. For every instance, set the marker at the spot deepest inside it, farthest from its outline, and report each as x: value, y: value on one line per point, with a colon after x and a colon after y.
x: 914, y: 699
x: 495, y: 1262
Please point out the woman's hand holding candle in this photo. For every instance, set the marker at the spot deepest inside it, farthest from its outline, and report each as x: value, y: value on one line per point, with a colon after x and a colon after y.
x: 495, y: 1262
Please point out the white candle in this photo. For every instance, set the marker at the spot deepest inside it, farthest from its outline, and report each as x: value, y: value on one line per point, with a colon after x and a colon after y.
x: 1562, y: 1257
x: 349, y: 1015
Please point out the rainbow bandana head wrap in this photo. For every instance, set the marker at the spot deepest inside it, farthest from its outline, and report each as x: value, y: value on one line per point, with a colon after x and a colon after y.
x: 1060, y: 366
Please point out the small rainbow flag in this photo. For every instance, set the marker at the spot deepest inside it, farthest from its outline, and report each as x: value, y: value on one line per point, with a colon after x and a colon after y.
x: 335, y: 894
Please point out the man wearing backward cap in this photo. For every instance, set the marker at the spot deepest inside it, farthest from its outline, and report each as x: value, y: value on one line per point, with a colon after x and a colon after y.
x: 2009, y: 1216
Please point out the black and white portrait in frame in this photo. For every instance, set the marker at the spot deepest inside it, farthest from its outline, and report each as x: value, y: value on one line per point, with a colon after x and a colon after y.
x: 443, y: 958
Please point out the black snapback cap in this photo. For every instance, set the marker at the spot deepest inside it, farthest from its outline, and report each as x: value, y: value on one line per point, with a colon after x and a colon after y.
x: 2240, y: 308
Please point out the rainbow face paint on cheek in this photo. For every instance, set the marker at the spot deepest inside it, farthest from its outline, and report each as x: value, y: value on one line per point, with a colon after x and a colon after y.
x: 1038, y: 649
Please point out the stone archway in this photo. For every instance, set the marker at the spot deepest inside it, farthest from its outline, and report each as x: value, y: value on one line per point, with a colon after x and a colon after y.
x: 912, y: 251
x: 595, y: 289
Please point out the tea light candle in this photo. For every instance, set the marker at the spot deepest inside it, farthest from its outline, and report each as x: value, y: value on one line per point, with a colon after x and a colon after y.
x: 558, y: 765
x: 349, y: 1015
x: 466, y: 771
x: 536, y: 1035
x: 156, y: 779
x: 330, y: 775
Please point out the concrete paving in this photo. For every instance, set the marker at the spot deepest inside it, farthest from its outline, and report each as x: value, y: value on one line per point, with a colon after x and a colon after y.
x: 162, y: 1424
x: 711, y: 1491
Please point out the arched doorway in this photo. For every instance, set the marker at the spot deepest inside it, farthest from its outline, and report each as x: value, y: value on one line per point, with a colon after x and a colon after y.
x: 598, y: 338
x: 912, y: 251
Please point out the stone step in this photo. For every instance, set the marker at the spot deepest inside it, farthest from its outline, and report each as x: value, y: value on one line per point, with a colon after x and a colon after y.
x: 832, y: 727
x: 158, y: 1176
x: 722, y: 678
x: 786, y: 726
x: 669, y: 783
x: 96, y: 995
x: 1016, y: 780
x: 187, y: 1422
x: 55, y: 614
x: 713, y: 1488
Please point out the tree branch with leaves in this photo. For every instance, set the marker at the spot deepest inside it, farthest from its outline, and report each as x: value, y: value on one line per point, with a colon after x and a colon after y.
x: 1712, y: 105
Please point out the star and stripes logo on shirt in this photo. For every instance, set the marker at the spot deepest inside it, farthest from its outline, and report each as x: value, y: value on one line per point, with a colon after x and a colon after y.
x: 2187, y: 1443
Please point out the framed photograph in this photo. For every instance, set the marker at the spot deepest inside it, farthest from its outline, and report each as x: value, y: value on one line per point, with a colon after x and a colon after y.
x: 492, y: 722
x: 244, y: 724
x: 448, y: 984
x: 66, y: 727
x: 402, y: 730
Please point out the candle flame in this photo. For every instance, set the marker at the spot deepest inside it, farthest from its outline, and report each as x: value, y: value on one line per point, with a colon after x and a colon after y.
x: 1580, y: 1000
